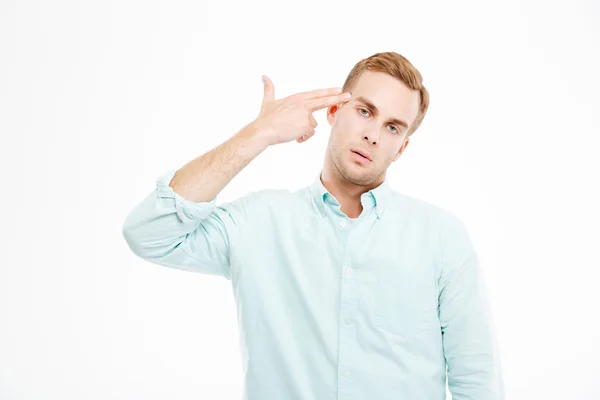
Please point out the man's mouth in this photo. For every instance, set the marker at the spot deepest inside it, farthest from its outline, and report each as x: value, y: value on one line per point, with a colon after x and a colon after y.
x: 363, y: 157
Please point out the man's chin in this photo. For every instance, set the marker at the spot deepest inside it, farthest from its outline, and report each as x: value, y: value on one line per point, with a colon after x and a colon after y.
x: 356, y: 176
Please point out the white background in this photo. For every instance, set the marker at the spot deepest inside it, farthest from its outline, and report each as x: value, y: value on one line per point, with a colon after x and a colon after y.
x: 97, y: 99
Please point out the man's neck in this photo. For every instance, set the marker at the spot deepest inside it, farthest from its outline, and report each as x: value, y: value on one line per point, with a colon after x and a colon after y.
x: 346, y: 193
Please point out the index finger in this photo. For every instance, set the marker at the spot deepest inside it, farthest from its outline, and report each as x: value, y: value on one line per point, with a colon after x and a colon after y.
x: 327, y: 101
x: 321, y: 93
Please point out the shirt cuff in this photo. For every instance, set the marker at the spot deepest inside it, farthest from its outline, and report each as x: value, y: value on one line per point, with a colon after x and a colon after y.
x: 186, y: 210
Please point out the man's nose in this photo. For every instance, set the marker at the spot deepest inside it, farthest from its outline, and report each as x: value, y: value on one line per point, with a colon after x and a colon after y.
x: 372, y: 136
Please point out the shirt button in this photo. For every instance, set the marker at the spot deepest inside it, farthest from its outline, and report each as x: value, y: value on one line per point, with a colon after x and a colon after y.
x: 343, y: 224
x: 348, y: 321
x: 349, y: 270
x: 346, y: 372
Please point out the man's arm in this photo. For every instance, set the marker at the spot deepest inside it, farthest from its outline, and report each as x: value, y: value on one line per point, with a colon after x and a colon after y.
x: 179, y: 224
x: 203, y: 178
x: 470, y: 347
x: 184, y: 228
x: 279, y: 121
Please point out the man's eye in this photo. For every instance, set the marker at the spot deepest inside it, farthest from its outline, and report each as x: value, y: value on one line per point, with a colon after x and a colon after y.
x: 395, y: 130
x: 362, y: 109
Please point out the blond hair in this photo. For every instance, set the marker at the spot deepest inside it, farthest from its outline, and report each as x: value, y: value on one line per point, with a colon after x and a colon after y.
x: 400, y: 68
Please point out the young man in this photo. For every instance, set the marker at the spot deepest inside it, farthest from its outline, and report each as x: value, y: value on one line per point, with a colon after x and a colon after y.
x: 344, y: 289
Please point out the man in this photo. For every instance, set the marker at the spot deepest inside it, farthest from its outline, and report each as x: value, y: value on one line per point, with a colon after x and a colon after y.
x: 344, y: 289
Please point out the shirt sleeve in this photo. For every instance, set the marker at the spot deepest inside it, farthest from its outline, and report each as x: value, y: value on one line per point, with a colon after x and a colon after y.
x: 469, y: 342
x: 168, y: 230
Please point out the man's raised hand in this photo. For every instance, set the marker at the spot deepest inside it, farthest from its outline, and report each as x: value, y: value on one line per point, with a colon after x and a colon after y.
x: 291, y: 118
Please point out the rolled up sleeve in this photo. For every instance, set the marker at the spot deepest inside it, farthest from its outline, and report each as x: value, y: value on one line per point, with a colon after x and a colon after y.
x: 168, y: 230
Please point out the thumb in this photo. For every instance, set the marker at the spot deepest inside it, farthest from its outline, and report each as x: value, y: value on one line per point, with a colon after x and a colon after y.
x: 269, y: 90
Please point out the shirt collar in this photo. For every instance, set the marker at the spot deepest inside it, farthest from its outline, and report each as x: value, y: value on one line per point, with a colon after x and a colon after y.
x: 378, y: 197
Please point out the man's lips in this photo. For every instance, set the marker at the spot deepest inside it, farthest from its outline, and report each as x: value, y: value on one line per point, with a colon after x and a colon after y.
x: 362, y: 154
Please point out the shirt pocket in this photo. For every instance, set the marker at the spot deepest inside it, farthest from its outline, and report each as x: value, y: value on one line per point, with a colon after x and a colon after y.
x: 406, y: 301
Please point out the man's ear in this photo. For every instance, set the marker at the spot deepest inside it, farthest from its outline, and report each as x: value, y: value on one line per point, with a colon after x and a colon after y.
x: 401, y: 150
x: 332, y: 113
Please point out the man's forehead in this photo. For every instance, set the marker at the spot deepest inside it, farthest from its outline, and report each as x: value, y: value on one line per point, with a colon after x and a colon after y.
x: 390, y: 96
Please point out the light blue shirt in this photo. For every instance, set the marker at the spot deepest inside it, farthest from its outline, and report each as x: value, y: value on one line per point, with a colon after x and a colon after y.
x: 334, y: 308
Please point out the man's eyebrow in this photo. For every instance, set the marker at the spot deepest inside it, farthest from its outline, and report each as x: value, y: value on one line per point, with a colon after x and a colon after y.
x: 369, y: 104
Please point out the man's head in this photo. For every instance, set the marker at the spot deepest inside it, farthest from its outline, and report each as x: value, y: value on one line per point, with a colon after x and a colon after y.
x: 388, y: 104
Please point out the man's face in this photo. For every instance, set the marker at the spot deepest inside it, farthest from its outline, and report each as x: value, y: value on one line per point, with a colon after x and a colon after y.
x: 357, y: 125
